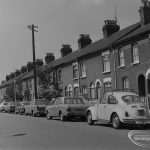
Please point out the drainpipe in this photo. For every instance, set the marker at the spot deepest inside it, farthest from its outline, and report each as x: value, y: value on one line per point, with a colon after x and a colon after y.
x: 114, y: 65
x: 80, y: 92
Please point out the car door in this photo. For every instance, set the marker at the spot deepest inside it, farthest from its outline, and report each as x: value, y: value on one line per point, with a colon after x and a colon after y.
x: 111, y: 106
x: 58, y: 107
x: 101, y: 108
x: 53, y: 108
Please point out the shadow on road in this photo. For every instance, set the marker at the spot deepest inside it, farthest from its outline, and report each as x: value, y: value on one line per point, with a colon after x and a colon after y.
x: 13, y: 135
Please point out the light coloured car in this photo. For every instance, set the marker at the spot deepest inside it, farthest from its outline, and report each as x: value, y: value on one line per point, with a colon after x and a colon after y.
x: 2, y: 106
x: 36, y: 107
x: 10, y: 107
x: 66, y: 107
x: 20, y: 107
x: 119, y: 108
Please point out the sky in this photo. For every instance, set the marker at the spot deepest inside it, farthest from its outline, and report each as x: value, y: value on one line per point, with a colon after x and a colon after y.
x: 59, y: 22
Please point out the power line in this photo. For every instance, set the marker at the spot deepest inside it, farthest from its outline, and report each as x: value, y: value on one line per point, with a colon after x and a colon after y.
x: 53, y: 13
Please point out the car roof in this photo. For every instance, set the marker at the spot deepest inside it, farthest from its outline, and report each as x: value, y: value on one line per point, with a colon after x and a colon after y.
x: 121, y: 93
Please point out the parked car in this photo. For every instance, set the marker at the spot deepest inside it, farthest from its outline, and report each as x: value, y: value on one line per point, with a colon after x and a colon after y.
x: 119, y: 108
x: 2, y: 106
x: 66, y: 107
x: 20, y: 107
x: 10, y: 107
x: 36, y: 107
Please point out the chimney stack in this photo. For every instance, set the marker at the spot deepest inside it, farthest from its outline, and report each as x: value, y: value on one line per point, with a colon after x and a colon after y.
x: 30, y: 66
x: 17, y: 72
x: 84, y: 40
x: 12, y: 75
x: 145, y: 12
x: 38, y: 62
x: 65, y: 50
x: 49, y: 57
x: 7, y: 77
x: 23, y: 69
x: 110, y: 27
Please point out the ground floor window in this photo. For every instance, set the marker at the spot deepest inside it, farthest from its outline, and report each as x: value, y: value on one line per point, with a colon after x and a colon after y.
x: 126, y: 83
x: 92, y: 91
x: 107, y: 86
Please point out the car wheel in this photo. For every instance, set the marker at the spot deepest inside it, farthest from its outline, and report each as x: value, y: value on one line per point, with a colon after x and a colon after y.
x: 26, y: 114
x: 62, y: 117
x: 116, y: 123
x: 48, y: 116
x: 33, y: 114
x: 89, y: 118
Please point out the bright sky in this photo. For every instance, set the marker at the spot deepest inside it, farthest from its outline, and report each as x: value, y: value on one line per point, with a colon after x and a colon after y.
x: 59, y: 22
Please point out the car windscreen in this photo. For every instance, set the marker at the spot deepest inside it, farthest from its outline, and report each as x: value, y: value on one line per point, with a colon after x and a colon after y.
x: 41, y: 102
x: 131, y: 99
x: 73, y: 101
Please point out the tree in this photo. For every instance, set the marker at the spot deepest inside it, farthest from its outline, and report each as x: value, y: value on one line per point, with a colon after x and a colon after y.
x: 49, y: 87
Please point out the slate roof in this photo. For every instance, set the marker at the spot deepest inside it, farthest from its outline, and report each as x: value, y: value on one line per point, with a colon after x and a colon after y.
x: 95, y: 46
x: 139, y: 31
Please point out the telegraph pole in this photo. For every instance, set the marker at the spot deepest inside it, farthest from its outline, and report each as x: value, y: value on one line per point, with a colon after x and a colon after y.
x: 33, y: 28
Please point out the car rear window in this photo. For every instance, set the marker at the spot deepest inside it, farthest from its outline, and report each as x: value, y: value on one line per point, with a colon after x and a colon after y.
x: 131, y: 99
x: 41, y: 102
x: 73, y: 101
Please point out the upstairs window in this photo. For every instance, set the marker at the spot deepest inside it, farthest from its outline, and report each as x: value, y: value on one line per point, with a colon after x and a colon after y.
x: 59, y: 76
x: 135, y: 54
x: 82, y: 69
x: 70, y: 91
x: 75, y: 71
x: 106, y: 61
x: 121, y: 58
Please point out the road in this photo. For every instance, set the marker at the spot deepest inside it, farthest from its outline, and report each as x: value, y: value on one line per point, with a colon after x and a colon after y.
x: 19, y: 132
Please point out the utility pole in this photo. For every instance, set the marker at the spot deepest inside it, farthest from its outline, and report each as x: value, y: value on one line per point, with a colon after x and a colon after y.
x: 33, y: 28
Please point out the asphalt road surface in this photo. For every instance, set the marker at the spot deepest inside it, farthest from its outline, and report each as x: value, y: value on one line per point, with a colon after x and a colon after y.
x: 19, y: 132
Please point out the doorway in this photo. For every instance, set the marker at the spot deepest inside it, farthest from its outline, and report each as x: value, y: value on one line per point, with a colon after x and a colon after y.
x: 141, y: 85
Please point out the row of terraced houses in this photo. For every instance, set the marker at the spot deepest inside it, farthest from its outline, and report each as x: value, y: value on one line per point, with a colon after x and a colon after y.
x: 120, y: 60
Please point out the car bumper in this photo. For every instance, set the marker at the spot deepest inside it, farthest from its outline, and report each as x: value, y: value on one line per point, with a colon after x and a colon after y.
x: 137, y: 121
x: 41, y: 112
x: 76, y: 114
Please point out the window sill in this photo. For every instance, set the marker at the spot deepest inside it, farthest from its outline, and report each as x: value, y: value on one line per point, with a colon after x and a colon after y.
x: 82, y: 77
x: 135, y: 63
x: 121, y: 66
x: 106, y: 72
x: 75, y: 79
x: 59, y: 82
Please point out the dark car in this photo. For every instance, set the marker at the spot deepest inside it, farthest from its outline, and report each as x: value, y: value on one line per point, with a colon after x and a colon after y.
x: 67, y: 108
x: 20, y: 107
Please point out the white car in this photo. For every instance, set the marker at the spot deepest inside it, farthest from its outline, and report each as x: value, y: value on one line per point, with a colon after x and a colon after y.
x: 2, y: 106
x: 119, y: 108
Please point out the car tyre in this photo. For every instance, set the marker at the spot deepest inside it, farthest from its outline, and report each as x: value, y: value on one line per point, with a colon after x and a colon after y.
x: 48, y: 116
x: 116, y: 123
x: 33, y: 114
x: 62, y: 117
x: 89, y: 118
x: 26, y: 114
